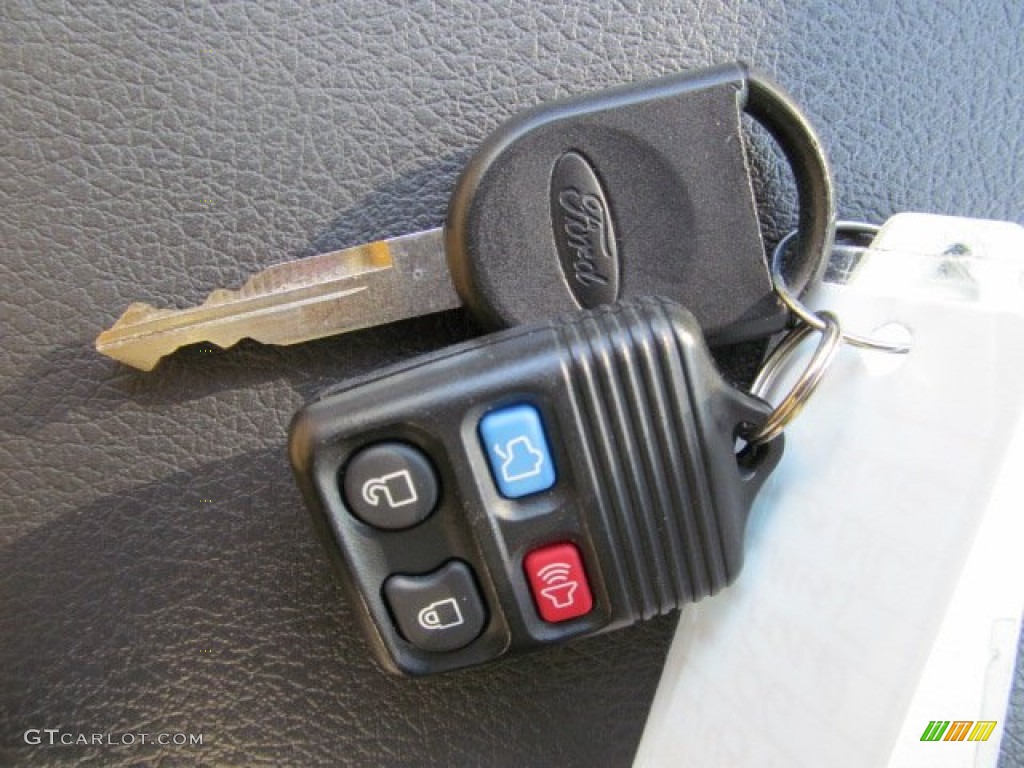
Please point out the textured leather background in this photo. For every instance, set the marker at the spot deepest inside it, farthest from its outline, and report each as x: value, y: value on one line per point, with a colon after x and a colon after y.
x: 157, y: 568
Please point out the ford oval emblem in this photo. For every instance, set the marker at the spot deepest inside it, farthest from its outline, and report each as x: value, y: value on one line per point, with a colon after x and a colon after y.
x: 584, y: 236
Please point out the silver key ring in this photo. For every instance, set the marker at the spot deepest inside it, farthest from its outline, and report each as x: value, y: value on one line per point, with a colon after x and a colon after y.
x: 794, y: 402
x: 814, y: 320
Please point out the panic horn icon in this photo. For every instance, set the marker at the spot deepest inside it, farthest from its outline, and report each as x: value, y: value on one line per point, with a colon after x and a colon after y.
x: 560, y: 588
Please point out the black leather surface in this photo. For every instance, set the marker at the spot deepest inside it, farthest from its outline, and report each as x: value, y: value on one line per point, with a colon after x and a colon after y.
x: 158, y: 572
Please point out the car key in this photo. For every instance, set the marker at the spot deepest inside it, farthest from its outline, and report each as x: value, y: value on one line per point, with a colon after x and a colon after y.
x: 551, y: 481
x: 637, y: 190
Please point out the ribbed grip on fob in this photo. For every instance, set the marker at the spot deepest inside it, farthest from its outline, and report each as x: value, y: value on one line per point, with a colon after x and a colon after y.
x: 670, y: 496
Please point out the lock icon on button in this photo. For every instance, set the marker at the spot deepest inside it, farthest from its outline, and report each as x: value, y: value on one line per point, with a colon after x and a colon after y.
x: 440, y: 614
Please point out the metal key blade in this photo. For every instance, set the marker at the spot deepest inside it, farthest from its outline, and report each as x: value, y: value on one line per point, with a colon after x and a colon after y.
x: 297, y: 301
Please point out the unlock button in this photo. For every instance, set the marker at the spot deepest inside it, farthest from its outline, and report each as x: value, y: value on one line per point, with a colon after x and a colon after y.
x: 439, y: 611
x: 390, y: 485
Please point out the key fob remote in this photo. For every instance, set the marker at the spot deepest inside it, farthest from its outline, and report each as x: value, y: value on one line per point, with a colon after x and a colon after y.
x: 544, y: 483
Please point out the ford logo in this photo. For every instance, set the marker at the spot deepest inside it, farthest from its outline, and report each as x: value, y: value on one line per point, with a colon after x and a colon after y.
x: 584, y: 236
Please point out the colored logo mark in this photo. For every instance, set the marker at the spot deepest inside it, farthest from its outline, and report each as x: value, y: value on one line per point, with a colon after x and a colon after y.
x: 958, y: 730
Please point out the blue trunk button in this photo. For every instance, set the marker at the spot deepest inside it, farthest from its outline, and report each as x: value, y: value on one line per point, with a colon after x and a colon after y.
x: 518, y: 451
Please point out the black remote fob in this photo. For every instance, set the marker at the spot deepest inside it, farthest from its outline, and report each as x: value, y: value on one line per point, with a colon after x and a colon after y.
x: 544, y: 483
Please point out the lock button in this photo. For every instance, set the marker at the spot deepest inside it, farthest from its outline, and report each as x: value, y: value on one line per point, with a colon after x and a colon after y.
x: 517, y: 450
x: 438, y: 611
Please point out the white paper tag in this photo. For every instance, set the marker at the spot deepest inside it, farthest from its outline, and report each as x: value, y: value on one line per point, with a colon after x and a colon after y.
x: 883, y: 587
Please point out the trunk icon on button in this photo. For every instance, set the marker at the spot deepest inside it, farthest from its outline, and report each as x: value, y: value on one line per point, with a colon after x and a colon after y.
x: 517, y: 450
x: 519, y: 460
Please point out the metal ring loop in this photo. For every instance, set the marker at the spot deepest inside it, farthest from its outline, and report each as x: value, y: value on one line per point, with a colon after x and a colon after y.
x: 814, y: 321
x: 793, y: 403
x: 770, y: 106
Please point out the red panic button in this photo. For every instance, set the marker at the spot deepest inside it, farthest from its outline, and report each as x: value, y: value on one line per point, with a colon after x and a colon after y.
x: 558, y: 582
